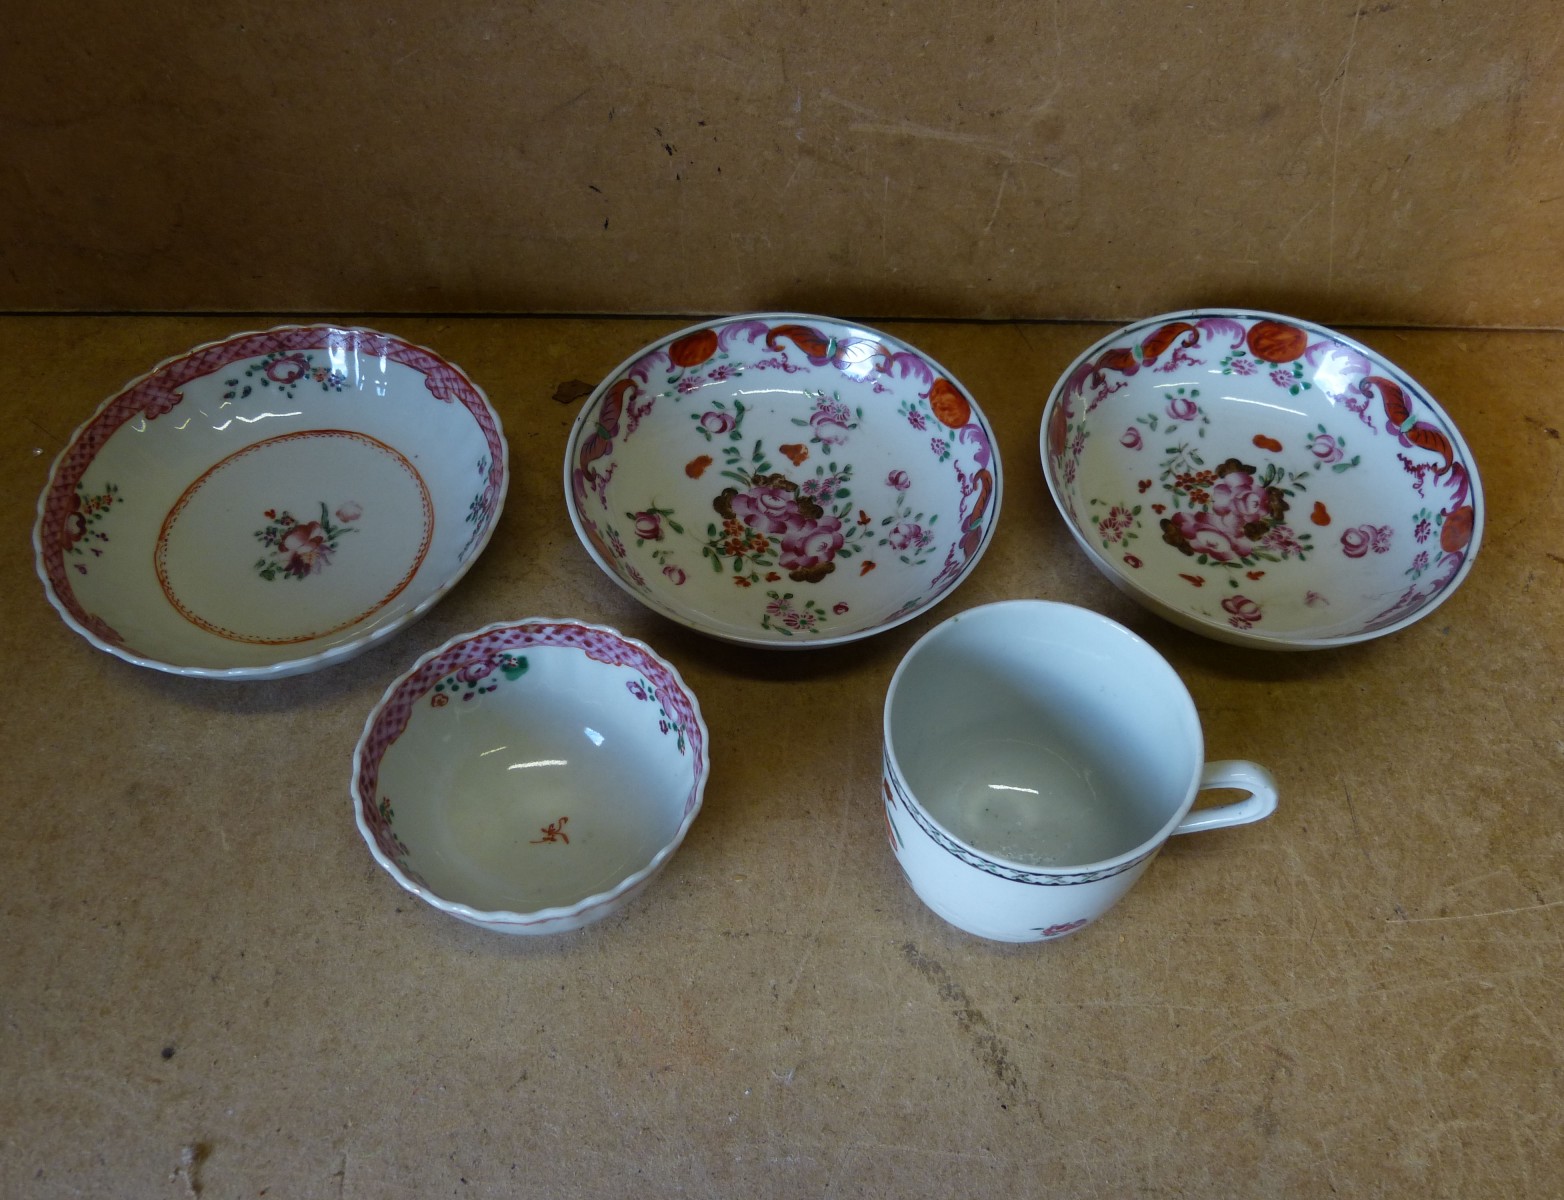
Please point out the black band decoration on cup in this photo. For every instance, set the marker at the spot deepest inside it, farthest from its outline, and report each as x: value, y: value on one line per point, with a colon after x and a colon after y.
x: 1014, y: 874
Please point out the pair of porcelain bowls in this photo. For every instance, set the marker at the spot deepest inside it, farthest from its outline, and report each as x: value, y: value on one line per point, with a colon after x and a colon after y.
x: 280, y: 501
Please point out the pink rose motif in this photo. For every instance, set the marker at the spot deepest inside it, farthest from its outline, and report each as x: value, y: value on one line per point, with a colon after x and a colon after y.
x: 1130, y: 439
x: 287, y: 369
x: 1239, y: 496
x: 716, y: 422
x: 676, y: 574
x: 307, y: 549
x: 75, y: 527
x: 1182, y: 408
x: 1053, y: 931
x: 476, y: 671
x: 1242, y: 612
x: 1208, y: 534
x: 1325, y: 448
x: 907, y: 534
x: 1357, y: 542
x: 1282, y: 540
x: 812, y: 545
x: 768, y: 508
x: 351, y: 511
x: 648, y: 526
x: 899, y: 480
x: 830, y: 422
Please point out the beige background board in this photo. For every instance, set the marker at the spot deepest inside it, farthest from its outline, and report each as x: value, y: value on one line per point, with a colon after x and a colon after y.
x: 1386, y: 162
x: 1358, y: 997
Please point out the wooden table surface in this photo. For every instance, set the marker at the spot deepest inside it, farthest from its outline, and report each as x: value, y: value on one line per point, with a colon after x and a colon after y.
x: 207, y: 985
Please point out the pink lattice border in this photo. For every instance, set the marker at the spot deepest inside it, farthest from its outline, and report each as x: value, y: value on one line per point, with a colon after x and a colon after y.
x: 158, y: 392
x: 596, y: 642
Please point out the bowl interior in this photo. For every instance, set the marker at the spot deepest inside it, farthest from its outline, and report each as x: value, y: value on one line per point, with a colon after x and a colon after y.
x: 270, y: 502
x: 1262, y: 479
x: 783, y: 479
x: 533, y: 772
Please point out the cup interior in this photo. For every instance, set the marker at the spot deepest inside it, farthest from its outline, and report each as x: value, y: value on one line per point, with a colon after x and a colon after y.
x: 1044, y: 735
x: 535, y: 777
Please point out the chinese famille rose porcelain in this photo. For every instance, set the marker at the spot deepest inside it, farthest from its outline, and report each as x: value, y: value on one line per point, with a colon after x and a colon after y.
x: 531, y: 777
x: 1261, y: 480
x: 1037, y: 757
x: 783, y: 480
x: 271, y: 503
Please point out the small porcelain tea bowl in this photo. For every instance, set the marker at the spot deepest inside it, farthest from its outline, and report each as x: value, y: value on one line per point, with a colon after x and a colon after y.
x: 271, y: 503
x: 783, y: 480
x: 1261, y: 480
x: 531, y: 777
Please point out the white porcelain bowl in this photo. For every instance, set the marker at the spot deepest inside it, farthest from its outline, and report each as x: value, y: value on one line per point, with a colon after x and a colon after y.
x: 271, y: 503
x: 1261, y: 480
x: 531, y: 777
x: 783, y: 480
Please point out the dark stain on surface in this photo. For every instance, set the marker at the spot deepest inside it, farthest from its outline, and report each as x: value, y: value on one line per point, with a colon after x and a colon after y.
x: 985, y: 1042
x: 572, y: 389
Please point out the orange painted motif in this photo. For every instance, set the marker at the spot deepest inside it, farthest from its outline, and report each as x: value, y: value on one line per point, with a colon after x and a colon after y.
x: 554, y: 833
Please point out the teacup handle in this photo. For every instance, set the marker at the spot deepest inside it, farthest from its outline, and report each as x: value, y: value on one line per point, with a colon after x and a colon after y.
x: 1233, y: 773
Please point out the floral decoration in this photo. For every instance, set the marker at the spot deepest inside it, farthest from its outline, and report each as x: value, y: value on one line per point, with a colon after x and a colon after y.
x: 782, y: 507
x: 668, y: 721
x: 81, y: 530
x: 247, y: 366
x: 478, y: 677
x: 1240, y: 511
x: 282, y: 371
x: 1064, y: 927
x: 297, y: 549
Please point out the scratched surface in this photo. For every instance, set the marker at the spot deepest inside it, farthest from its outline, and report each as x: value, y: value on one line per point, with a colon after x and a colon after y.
x: 1384, y: 162
x: 1358, y: 997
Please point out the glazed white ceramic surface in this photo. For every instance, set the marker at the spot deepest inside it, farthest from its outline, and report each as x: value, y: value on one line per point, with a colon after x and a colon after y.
x: 531, y: 777
x: 1261, y: 480
x: 271, y: 503
x: 1037, y: 756
x: 783, y: 480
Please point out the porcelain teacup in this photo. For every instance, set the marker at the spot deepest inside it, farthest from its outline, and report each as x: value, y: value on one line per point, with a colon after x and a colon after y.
x: 1037, y: 757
